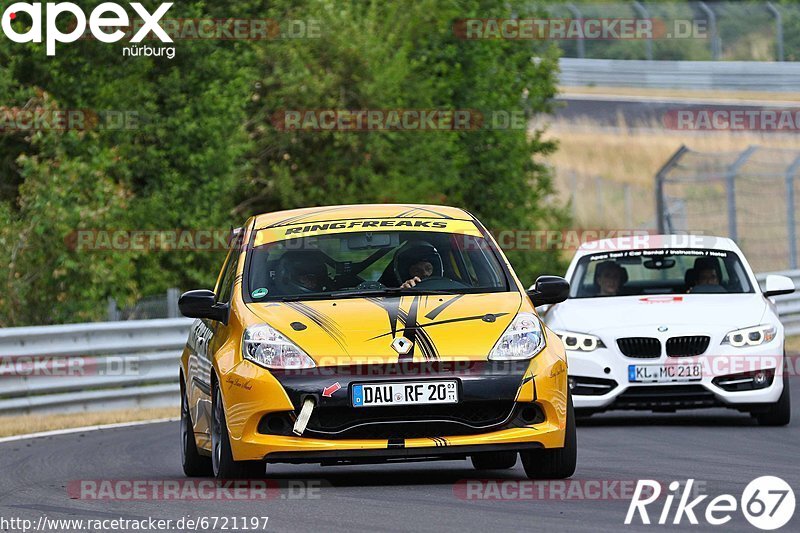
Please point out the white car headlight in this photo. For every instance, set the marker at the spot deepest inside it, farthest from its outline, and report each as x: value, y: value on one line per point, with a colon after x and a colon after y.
x: 751, y: 336
x: 580, y: 341
x: 266, y: 347
x: 523, y: 339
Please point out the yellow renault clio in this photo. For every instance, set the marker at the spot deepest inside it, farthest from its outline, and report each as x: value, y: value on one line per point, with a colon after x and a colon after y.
x: 368, y: 334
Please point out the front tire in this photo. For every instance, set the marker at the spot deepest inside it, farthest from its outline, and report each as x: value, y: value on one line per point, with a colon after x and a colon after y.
x: 194, y: 464
x: 780, y: 412
x: 494, y: 460
x: 224, y: 466
x: 554, y: 463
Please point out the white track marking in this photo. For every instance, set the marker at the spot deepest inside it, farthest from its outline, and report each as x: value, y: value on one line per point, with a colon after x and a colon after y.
x: 69, y: 431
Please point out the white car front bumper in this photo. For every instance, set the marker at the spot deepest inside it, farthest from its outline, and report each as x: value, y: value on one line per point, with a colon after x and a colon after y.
x: 600, y: 378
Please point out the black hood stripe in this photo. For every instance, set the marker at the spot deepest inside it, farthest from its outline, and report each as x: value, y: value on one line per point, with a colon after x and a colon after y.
x: 325, y: 323
x: 441, y: 307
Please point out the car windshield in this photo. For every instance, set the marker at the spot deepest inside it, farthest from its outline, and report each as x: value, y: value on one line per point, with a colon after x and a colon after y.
x: 659, y: 271
x: 364, y: 263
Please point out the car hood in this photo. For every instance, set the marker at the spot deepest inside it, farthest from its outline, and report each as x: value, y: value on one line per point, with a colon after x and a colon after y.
x: 593, y: 315
x: 361, y: 330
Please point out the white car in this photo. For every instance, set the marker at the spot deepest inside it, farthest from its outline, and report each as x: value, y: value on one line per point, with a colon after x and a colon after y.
x: 672, y: 322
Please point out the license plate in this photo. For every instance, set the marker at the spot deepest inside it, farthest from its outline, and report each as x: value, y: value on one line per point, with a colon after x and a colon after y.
x: 404, y: 393
x: 665, y: 373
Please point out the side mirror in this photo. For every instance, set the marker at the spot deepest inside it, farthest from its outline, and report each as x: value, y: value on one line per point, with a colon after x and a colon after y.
x: 777, y: 285
x: 202, y: 304
x: 548, y: 290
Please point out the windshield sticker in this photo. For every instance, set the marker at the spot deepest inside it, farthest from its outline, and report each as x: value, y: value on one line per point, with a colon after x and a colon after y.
x: 260, y: 293
x: 294, y: 231
x: 695, y: 252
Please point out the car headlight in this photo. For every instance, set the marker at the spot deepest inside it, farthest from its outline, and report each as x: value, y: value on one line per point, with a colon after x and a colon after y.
x: 751, y: 336
x: 580, y: 341
x: 523, y: 339
x: 265, y: 346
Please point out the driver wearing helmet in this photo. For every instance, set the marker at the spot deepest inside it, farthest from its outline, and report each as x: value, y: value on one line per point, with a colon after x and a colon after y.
x: 416, y: 262
x: 303, y: 272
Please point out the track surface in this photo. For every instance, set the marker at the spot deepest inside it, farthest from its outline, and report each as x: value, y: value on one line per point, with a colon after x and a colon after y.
x: 724, y: 449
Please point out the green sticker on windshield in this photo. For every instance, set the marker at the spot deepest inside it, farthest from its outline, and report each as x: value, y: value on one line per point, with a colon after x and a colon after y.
x: 260, y: 293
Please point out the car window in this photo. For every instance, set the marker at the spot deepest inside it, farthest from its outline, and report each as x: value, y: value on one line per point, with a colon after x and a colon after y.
x: 659, y: 271
x: 225, y: 289
x: 372, y: 261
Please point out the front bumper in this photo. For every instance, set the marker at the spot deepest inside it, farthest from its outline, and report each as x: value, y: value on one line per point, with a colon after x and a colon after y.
x: 601, y: 380
x: 255, y: 397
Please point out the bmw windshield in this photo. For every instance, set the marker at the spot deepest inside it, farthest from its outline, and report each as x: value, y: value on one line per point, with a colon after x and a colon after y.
x: 373, y: 263
x: 659, y: 271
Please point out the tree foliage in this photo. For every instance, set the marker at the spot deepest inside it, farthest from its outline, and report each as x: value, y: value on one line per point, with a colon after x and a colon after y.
x: 205, y: 154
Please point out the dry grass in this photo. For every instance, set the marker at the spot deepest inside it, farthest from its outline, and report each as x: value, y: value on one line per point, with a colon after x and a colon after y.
x: 24, y: 424
x: 792, y: 345
x: 634, y: 156
x: 683, y: 93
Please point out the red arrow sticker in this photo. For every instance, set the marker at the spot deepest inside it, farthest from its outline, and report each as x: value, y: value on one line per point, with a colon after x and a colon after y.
x: 328, y: 391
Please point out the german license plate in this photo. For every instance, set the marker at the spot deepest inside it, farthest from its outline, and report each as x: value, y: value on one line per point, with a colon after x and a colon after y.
x: 404, y: 393
x: 665, y: 373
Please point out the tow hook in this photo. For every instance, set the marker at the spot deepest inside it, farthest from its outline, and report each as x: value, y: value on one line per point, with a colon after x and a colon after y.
x: 302, y: 419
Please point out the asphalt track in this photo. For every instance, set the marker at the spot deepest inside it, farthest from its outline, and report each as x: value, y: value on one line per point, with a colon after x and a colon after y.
x: 721, y: 449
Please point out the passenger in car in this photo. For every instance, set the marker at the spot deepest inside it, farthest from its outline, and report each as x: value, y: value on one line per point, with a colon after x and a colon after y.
x: 609, y: 278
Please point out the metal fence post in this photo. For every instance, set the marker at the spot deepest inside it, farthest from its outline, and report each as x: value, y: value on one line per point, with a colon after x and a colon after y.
x: 712, y: 28
x: 172, y: 303
x: 598, y: 185
x: 577, y: 14
x: 662, y: 217
x: 626, y: 192
x: 778, y: 31
x: 730, y: 178
x: 648, y: 43
x: 112, y: 310
x: 791, y: 226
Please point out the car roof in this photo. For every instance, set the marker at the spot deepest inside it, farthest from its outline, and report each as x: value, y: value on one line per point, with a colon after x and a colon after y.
x: 356, y: 211
x: 646, y: 241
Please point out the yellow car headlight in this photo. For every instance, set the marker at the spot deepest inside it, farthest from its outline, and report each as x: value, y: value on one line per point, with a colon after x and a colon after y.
x: 523, y: 339
x: 266, y: 347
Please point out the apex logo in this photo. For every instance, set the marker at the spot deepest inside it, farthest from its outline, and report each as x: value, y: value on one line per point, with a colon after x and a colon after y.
x: 102, y: 19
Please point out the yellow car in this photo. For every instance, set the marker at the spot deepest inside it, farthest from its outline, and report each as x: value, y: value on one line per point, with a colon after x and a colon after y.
x: 368, y: 334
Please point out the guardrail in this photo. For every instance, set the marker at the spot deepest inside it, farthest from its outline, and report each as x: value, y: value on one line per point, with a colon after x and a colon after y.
x: 124, y: 365
x: 697, y: 75
x: 789, y: 304
x: 84, y: 367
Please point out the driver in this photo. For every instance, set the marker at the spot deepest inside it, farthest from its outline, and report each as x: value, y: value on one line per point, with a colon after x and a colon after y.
x: 303, y: 272
x: 416, y: 262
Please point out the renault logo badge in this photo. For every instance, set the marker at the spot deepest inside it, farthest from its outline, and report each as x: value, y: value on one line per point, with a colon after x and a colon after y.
x: 402, y: 345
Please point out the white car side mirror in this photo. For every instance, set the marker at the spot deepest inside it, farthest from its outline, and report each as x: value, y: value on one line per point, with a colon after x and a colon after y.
x: 777, y: 285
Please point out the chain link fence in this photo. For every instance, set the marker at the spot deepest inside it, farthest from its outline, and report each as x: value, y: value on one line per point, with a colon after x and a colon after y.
x: 749, y: 196
x: 597, y: 202
x: 699, y: 31
x: 148, y: 308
